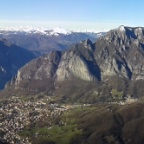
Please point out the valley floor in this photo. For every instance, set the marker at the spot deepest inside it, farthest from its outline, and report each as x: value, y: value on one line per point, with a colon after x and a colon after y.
x: 40, y: 120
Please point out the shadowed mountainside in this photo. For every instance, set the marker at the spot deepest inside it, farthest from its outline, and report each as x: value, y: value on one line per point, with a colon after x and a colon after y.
x: 110, y: 68
x: 12, y: 58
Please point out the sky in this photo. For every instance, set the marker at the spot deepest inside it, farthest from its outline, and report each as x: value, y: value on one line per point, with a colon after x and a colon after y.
x: 98, y: 15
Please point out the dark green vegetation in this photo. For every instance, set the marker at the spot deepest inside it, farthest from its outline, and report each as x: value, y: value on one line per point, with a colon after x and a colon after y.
x: 99, y: 124
x: 78, y: 91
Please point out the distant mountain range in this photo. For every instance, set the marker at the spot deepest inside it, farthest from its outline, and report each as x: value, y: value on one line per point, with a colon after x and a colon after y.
x: 43, y: 40
x: 112, y: 68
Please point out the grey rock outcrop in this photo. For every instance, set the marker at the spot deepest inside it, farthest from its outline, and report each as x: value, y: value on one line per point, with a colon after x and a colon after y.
x: 120, y: 53
x: 58, y: 66
x: 77, y: 62
x: 42, y: 68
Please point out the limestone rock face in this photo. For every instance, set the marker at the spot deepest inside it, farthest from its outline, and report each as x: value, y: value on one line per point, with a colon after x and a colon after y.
x: 78, y: 62
x: 119, y: 53
x: 42, y: 68
x: 72, y: 65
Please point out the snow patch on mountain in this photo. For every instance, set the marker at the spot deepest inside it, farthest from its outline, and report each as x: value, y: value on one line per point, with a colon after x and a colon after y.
x: 29, y: 29
x: 43, y: 30
x: 61, y: 30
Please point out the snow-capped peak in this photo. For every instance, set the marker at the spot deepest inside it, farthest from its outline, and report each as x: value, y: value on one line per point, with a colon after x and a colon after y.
x: 42, y: 30
x: 61, y: 30
x: 46, y: 31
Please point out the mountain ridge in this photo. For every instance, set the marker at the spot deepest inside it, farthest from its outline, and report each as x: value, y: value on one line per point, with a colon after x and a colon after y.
x: 113, y: 66
x: 46, y: 30
x: 45, y: 40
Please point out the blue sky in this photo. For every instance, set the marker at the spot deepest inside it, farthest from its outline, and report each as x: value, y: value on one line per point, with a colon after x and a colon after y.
x: 74, y: 14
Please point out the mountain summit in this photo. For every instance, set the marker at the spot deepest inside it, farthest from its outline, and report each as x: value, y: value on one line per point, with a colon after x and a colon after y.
x: 114, y: 61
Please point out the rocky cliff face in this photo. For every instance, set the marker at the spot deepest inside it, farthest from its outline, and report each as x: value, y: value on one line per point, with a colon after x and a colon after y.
x: 118, y: 54
x: 41, y: 68
x: 78, y: 62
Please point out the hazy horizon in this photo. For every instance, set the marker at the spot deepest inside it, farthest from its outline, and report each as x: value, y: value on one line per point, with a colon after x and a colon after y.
x: 94, y: 15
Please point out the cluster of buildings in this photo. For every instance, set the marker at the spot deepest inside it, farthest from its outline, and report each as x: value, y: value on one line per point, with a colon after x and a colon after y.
x: 16, y: 114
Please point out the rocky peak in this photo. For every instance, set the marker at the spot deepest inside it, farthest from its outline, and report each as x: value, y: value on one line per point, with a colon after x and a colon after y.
x: 88, y: 44
x: 125, y: 36
x: 118, y: 54
x: 132, y: 32
x: 139, y: 32
x: 121, y: 52
x: 121, y: 28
